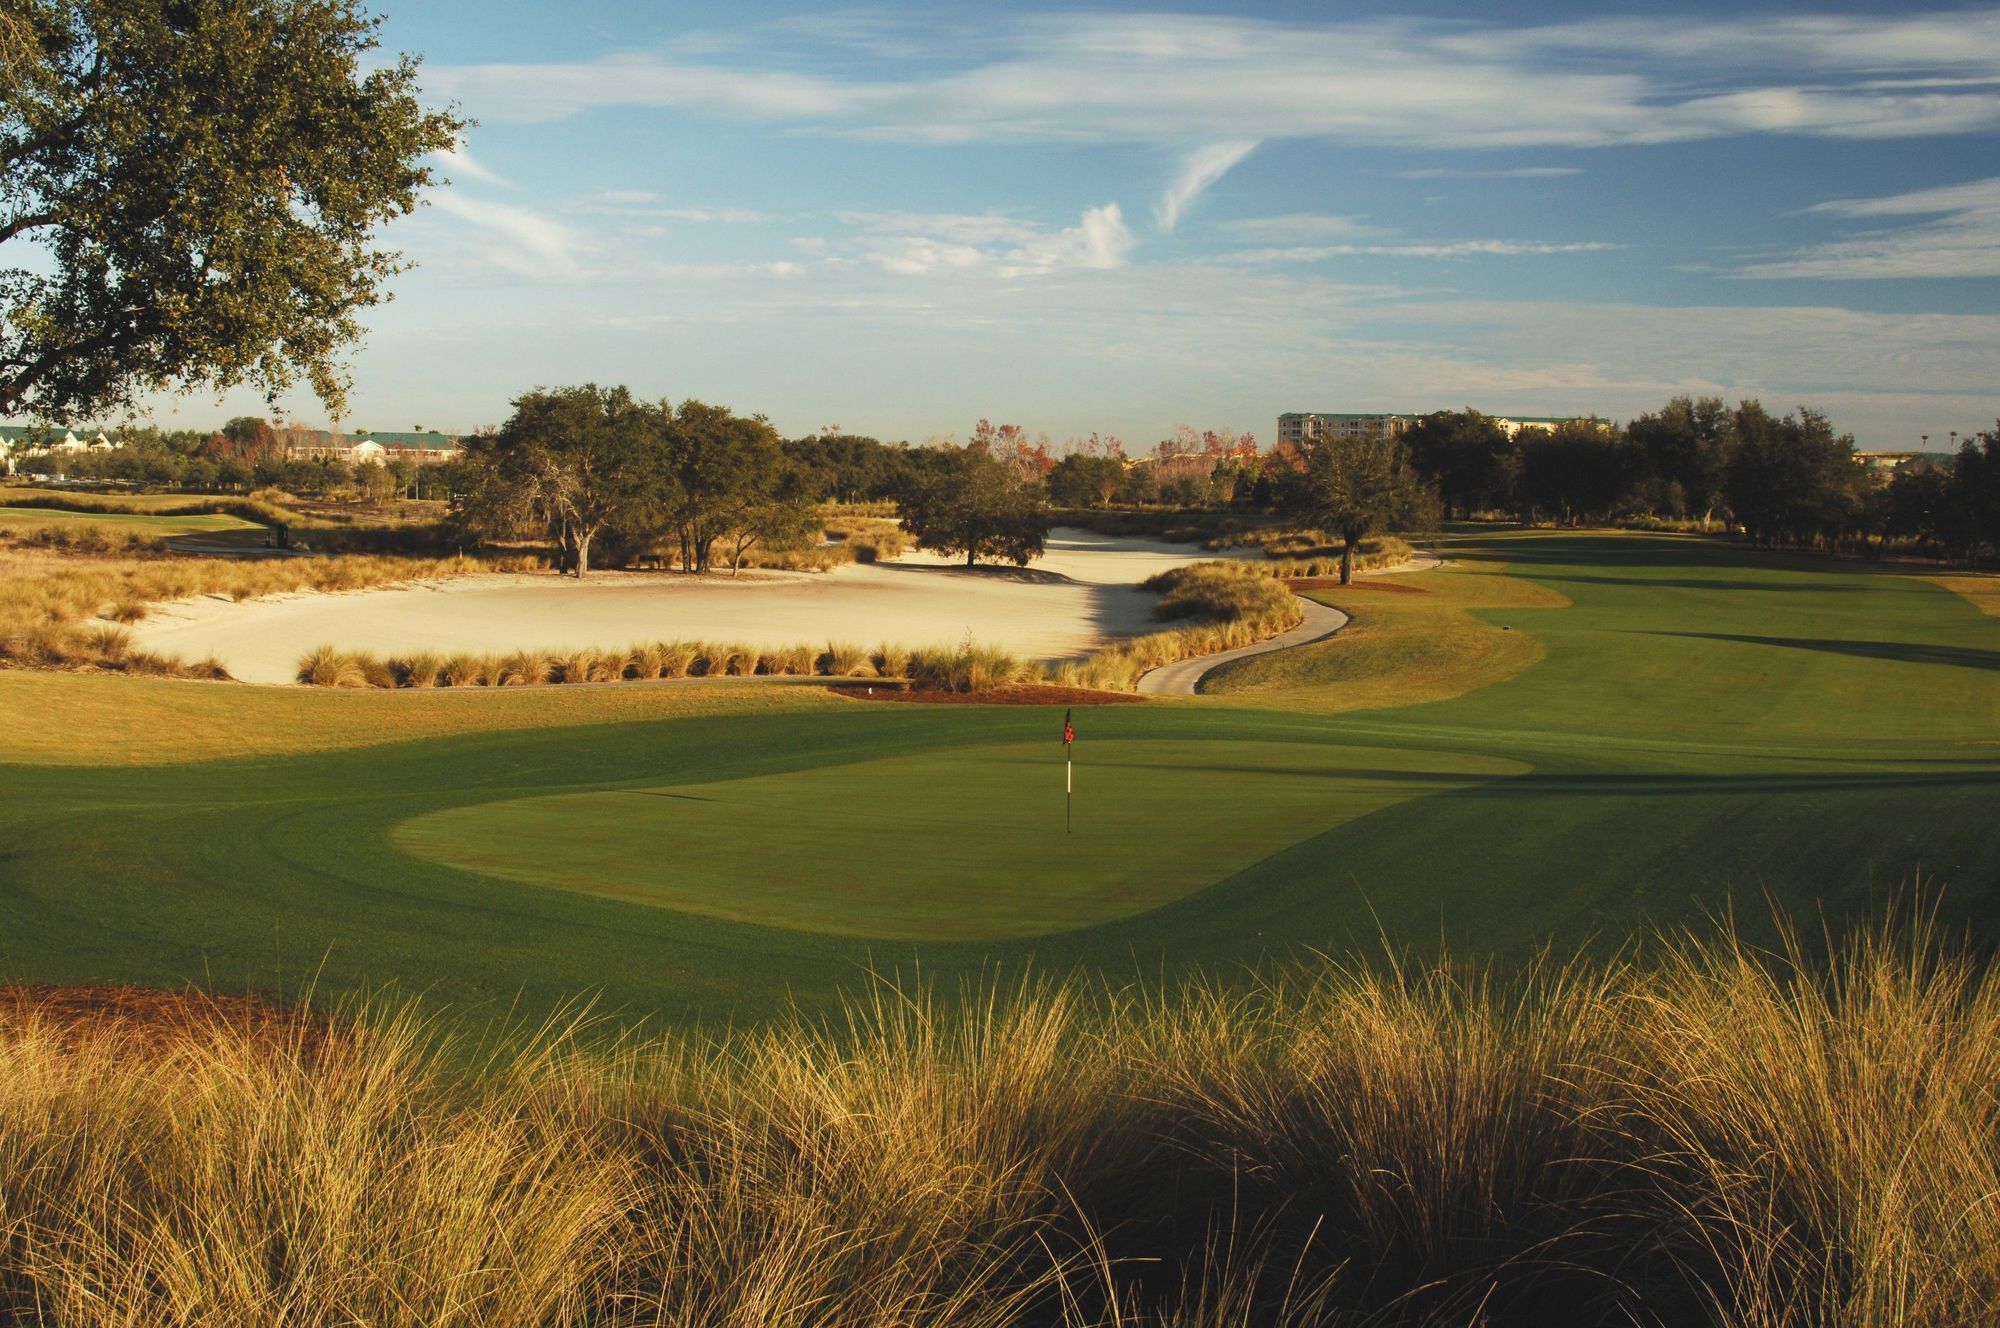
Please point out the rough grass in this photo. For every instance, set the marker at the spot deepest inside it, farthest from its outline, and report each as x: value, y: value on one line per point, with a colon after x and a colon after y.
x: 109, y: 720
x: 105, y: 532
x: 1313, y: 552
x: 1983, y: 591
x: 1720, y: 1137
x: 1401, y: 649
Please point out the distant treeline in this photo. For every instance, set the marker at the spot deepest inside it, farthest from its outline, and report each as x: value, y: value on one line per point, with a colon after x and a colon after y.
x: 1790, y: 479
x: 1784, y: 479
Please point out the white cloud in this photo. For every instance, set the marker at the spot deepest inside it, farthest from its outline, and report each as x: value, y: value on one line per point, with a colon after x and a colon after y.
x: 519, y: 240
x: 1961, y: 240
x: 459, y: 164
x: 1449, y: 249
x: 644, y: 203
x: 1203, y: 167
x: 973, y: 228
x: 1512, y: 173
x: 1100, y: 241
x: 1293, y: 226
x: 920, y: 243
x: 1382, y: 81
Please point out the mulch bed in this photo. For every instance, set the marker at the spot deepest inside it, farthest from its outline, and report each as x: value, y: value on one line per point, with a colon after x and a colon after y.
x: 1022, y: 695
x: 159, y: 1019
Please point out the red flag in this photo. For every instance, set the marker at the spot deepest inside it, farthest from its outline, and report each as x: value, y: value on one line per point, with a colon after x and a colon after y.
x: 1069, y: 730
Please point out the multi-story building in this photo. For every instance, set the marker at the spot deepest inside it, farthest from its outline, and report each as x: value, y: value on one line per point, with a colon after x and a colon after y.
x: 424, y: 447
x: 1302, y: 428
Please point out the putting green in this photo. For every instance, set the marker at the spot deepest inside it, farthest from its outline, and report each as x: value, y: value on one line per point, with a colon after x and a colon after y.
x: 960, y: 844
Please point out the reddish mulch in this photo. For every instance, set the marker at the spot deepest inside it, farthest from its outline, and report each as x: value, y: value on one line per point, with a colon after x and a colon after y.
x: 159, y: 1019
x: 1023, y: 695
x: 1333, y: 583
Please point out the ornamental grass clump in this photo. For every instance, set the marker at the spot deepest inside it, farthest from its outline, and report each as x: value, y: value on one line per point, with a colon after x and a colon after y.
x: 1721, y: 1135
x: 677, y: 658
x: 464, y: 670
x: 524, y: 668
x: 891, y: 661
x: 646, y: 662
x: 422, y: 670
x: 327, y: 666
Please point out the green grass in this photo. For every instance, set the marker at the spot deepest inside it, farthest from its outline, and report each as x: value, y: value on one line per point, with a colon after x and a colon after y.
x: 1155, y: 821
x: 1697, y: 728
x: 146, y: 526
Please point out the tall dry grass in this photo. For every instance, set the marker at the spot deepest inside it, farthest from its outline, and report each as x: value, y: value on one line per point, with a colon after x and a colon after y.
x: 1237, y: 604
x: 1722, y: 1137
x: 49, y: 599
x: 966, y: 667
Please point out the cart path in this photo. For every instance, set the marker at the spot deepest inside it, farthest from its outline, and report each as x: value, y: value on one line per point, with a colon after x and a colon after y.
x: 1183, y: 678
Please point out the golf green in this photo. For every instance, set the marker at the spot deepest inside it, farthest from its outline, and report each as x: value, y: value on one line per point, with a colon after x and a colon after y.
x: 967, y: 844
x: 1616, y: 734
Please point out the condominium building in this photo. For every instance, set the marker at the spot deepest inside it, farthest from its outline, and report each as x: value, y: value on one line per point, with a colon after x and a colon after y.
x: 424, y: 448
x: 1304, y: 427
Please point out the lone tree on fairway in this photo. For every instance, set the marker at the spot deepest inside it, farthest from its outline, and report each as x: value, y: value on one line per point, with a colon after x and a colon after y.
x: 967, y: 501
x: 189, y: 192
x: 1354, y: 487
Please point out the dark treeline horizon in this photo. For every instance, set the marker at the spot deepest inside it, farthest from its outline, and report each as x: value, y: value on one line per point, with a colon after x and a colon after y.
x: 1780, y: 479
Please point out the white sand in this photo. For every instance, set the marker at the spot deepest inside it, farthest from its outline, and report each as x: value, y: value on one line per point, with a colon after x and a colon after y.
x: 1080, y: 594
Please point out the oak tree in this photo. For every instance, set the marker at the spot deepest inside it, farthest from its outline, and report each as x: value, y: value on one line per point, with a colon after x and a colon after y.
x: 190, y: 191
x: 1353, y: 487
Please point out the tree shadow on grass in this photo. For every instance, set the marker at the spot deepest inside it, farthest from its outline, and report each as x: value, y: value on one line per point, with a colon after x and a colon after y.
x: 1820, y: 587
x: 1902, y: 652
x: 1610, y: 785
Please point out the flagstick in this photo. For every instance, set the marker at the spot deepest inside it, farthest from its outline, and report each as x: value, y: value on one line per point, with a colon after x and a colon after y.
x: 1069, y: 787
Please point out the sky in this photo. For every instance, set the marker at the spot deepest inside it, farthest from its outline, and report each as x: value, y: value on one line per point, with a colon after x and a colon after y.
x: 1118, y: 219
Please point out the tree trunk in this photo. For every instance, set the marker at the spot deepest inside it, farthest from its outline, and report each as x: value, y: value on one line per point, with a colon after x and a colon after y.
x: 1347, y: 561
x: 582, y: 553
x: 971, y: 554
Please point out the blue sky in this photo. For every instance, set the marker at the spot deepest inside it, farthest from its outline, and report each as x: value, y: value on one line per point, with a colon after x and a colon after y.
x: 1123, y: 218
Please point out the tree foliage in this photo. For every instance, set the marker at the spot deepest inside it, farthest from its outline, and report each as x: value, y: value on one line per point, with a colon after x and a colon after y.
x: 189, y: 194
x: 573, y: 462
x: 1353, y: 487
x: 722, y: 473
x: 1791, y: 478
x: 964, y: 500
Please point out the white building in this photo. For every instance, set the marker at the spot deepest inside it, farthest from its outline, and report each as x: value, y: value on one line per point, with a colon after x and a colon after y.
x: 1304, y: 427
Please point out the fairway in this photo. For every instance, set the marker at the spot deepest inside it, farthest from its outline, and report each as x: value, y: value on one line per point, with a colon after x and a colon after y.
x: 143, y: 525
x: 966, y: 844
x: 1556, y: 740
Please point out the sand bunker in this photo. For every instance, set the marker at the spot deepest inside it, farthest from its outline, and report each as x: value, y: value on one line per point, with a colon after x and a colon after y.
x: 1081, y: 594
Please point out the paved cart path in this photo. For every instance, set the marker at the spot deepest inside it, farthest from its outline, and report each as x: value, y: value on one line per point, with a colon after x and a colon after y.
x: 1184, y: 677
